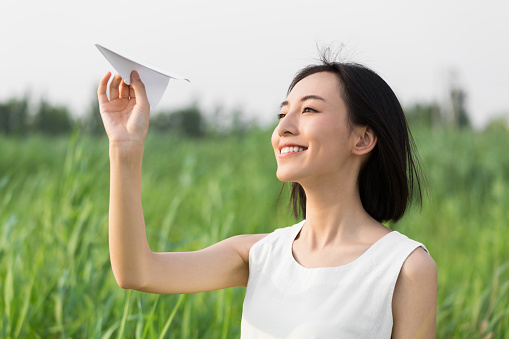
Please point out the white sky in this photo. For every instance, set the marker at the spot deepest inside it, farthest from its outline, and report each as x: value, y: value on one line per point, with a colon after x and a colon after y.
x: 243, y: 55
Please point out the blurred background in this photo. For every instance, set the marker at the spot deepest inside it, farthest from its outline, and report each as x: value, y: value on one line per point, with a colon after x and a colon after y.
x: 209, y: 171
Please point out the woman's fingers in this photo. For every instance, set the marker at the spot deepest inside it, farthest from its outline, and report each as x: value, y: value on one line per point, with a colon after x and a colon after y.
x: 103, y: 86
x: 119, y: 89
x: 124, y: 90
x: 138, y: 90
x: 114, y: 86
x: 132, y: 94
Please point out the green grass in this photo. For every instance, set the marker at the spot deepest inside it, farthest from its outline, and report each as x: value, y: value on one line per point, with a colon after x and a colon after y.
x: 55, y: 274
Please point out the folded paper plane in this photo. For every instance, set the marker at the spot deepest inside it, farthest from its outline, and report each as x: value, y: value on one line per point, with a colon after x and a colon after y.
x: 155, y: 79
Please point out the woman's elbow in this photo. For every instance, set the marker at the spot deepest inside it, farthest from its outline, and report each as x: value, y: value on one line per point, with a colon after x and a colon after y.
x: 130, y: 275
x: 128, y: 282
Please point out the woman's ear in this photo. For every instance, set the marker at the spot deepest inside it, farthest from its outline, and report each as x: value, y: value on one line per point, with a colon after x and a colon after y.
x: 366, y: 141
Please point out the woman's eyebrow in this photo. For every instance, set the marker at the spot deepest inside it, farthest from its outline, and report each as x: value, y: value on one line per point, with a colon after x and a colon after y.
x: 304, y: 98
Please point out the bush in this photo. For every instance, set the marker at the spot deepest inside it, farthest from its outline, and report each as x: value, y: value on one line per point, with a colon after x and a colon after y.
x: 52, y: 120
x: 14, y: 116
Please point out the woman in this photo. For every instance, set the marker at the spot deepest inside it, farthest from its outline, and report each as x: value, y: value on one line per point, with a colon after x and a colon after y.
x: 342, y: 141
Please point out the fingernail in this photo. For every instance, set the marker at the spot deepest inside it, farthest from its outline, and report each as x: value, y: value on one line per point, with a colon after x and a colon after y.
x: 136, y: 76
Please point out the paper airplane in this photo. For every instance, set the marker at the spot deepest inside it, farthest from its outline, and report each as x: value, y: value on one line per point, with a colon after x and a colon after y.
x: 155, y: 79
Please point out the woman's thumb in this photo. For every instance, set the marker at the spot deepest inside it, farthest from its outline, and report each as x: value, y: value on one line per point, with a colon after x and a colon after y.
x: 139, y: 90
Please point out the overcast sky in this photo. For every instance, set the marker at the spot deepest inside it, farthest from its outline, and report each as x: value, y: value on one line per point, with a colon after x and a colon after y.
x: 243, y: 55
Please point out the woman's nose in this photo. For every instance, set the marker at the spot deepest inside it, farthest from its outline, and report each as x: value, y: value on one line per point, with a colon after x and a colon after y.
x: 288, y: 125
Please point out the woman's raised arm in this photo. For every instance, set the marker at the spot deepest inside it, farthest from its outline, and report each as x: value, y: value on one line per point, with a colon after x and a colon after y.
x: 126, y: 118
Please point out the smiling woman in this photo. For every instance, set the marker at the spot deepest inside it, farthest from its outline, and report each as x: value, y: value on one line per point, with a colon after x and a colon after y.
x: 343, y: 142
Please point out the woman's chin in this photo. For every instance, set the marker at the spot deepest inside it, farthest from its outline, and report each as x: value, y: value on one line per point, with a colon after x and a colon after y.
x: 285, y: 177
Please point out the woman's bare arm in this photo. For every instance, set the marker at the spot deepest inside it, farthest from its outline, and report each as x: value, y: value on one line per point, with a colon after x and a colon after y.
x: 126, y: 116
x: 414, y: 304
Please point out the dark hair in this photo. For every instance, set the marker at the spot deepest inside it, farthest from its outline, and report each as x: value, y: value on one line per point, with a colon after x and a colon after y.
x: 392, y: 172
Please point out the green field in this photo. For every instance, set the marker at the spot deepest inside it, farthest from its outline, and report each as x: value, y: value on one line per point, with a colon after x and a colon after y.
x: 55, y: 275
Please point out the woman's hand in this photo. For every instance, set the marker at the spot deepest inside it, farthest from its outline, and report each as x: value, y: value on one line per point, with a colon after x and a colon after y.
x: 126, y: 113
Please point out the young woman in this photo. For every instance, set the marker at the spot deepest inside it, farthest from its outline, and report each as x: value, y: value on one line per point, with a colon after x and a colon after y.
x: 343, y: 143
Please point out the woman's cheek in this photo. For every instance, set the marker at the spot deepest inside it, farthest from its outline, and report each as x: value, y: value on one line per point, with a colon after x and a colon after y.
x: 275, y: 141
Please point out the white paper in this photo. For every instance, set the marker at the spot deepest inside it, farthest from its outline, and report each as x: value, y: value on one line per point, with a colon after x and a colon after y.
x: 155, y: 79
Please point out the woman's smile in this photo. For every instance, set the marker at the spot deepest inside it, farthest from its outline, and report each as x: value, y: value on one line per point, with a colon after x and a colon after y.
x: 286, y: 149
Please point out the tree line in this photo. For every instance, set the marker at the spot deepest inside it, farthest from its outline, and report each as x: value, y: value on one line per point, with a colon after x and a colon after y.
x: 19, y: 116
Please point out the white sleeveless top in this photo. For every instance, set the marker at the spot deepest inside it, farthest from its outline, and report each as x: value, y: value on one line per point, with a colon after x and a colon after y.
x: 287, y: 300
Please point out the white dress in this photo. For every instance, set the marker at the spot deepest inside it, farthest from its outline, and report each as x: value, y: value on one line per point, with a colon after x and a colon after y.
x: 287, y: 300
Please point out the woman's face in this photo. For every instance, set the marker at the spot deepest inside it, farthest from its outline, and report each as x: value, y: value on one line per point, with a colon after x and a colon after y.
x: 313, y: 140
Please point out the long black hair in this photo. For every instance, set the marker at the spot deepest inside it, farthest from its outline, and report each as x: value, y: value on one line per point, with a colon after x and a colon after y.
x: 392, y: 173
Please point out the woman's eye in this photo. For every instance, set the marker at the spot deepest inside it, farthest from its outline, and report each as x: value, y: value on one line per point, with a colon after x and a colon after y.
x: 281, y: 116
x: 309, y: 109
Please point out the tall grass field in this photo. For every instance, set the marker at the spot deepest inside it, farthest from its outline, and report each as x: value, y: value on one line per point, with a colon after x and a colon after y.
x: 55, y: 274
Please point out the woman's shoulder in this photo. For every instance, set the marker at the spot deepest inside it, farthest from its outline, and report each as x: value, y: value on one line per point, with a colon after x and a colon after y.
x: 245, y: 242
x: 267, y: 242
x: 251, y: 239
x: 399, y: 253
x: 418, y: 265
x: 282, y: 234
x: 398, y: 239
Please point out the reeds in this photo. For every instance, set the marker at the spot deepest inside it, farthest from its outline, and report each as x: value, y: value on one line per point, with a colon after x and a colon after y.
x: 55, y: 274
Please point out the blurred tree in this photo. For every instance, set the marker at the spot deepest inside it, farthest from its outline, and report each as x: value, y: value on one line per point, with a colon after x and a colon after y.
x: 424, y: 114
x: 188, y: 121
x: 92, y: 122
x: 223, y: 122
x: 455, y: 112
x: 459, y: 111
x: 14, y: 116
x: 163, y: 121
x: 52, y: 120
x: 191, y: 121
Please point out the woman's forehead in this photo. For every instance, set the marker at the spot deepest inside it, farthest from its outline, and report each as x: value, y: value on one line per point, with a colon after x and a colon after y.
x: 321, y: 84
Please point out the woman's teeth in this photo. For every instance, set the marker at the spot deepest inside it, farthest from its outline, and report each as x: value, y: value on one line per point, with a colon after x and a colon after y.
x: 291, y: 149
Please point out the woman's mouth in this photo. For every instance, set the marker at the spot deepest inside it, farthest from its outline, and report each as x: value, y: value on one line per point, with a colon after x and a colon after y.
x: 292, y: 149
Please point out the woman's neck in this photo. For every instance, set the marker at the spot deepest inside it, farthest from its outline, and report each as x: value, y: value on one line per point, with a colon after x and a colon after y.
x: 334, y: 214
